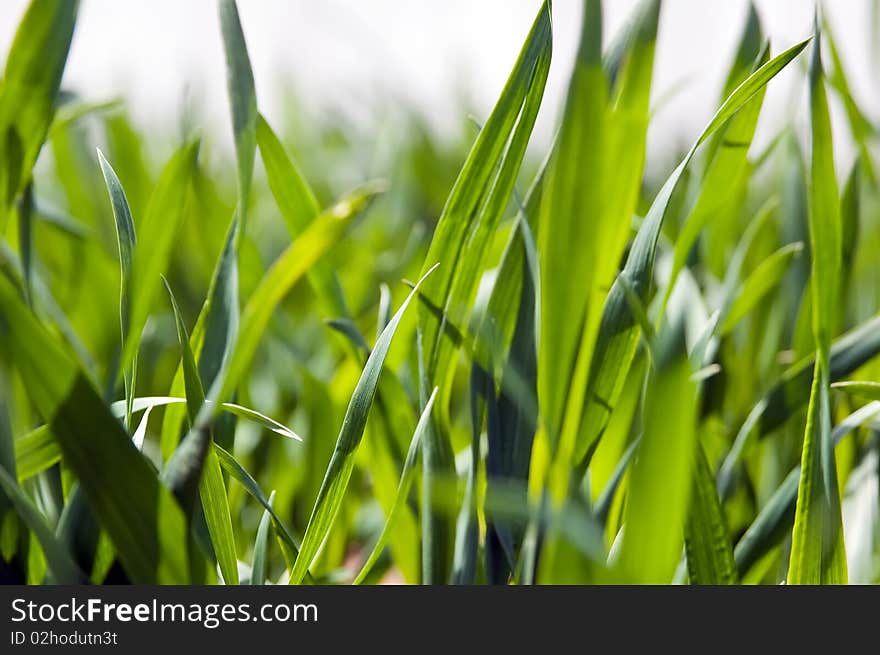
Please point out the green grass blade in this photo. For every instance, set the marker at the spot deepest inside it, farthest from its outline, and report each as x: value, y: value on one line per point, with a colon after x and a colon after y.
x: 289, y: 545
x: 212, y: 488
x: 156, y: 238
x: 479, y: 196
x: 653, y: 535
x: 708, y: 547
x: 34, y: 67
x: 242, y: 101
x: 261, y: 547
x: 342, y: 462
x: 776, y: 517
x: 299, y: 208
x: 618, y: 331
x: 761, y: 281
x: 143, y: 520
x: 126, y: 242
x: 817, y: 550
x: 570, y: 230
x: 61, y: 565
x: 407, y: 476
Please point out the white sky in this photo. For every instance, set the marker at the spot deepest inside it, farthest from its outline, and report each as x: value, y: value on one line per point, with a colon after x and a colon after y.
x: 347, y: 52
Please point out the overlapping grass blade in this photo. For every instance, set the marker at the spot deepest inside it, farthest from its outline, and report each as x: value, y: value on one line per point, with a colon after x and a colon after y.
x: 407, y: 476
x: 776, y: 517
x: 618, y: 332
x: 478, y: 198
x: 142, y: 519
x: 212, y: 489
x: 342, y: 461
x: 62, y: 567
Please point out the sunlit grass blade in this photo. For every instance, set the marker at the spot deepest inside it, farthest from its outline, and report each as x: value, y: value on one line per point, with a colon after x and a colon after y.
x: 653, y: 522
x: 299, y: 208
x: 407, y: 476
x: 817, y: 549
x: 479, y: 197
x: 34, y: 67
x: 618, y: 332
x: 342, y: 462
x: 570, y: 228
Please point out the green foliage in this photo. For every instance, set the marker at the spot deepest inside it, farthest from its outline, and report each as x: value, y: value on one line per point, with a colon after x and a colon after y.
x: 607, y: 378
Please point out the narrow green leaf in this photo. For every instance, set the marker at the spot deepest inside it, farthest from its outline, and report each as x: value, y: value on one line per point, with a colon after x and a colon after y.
x: 762, y: 280
x: 34, y: 67
x: 817, y: 549
x: 61, y: 566
x: 342, y: 462
x: 707, y: 540
x: 478, y: 198
x: 143, y: 520
x: 126, y: 242
x: 407, y: 476
x: 653, y: 539
x: 618, y: 331
x: 775, y: 519
x: 242, y: 101
x: 261, y: 546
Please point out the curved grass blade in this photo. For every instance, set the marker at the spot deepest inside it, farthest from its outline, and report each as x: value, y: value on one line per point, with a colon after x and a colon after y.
x: 407, y: 475
x: 618, y: 331
x: 342, y: 461
x: 761, y: 281
x: 729, y: 149
x: 289, y: 545
x: 126, y: 241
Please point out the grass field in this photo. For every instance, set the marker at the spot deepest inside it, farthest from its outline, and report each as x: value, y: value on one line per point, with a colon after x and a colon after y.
x: 344, y: 357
